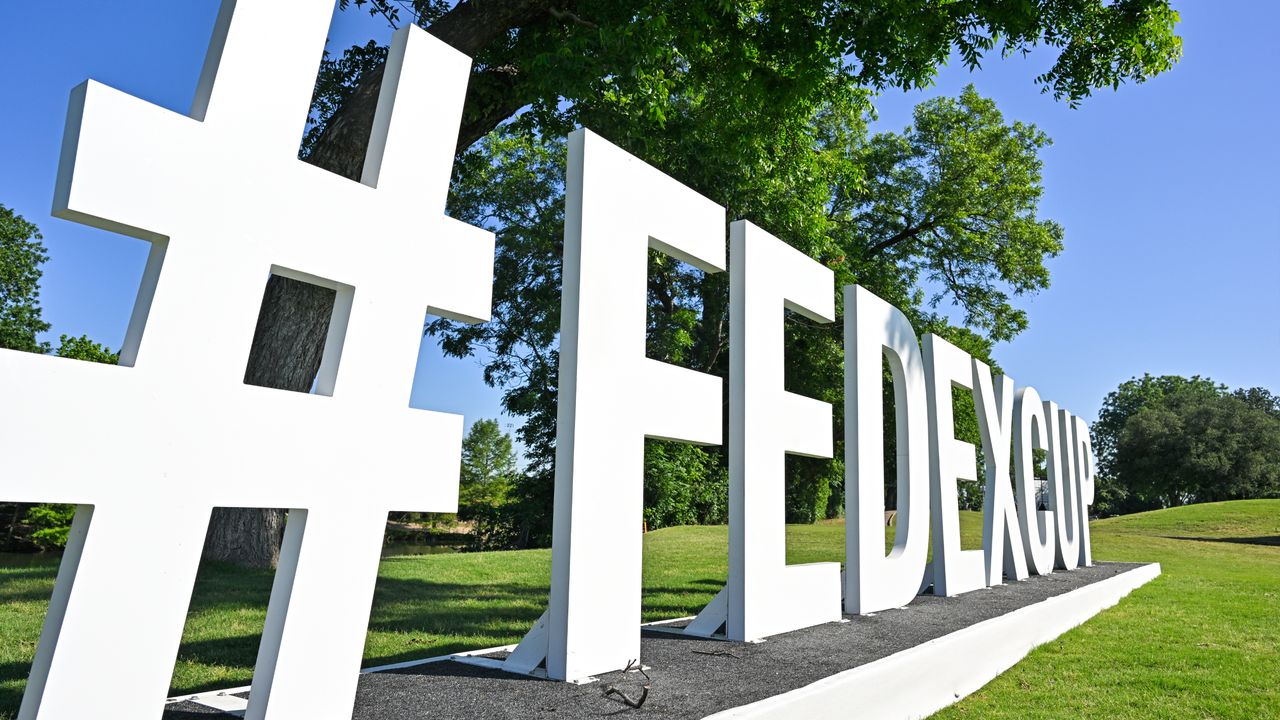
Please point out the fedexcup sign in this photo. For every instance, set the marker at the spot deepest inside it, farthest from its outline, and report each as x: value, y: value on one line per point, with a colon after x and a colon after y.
x: 224, y: 201
x: 612, y: 397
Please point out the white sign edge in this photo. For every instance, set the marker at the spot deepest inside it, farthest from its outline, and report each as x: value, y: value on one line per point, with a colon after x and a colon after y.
x: 957, y: 664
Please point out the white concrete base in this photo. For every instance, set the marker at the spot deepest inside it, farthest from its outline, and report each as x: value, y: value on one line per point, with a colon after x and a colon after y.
x: 918, y: 682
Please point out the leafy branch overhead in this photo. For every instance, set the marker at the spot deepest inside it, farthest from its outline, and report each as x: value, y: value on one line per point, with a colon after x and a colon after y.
x: 953, y: 200
x: 556, y: 59
x: 762, y: 107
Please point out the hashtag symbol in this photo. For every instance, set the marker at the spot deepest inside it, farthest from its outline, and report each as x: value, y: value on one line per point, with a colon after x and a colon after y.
x: 147, y: 450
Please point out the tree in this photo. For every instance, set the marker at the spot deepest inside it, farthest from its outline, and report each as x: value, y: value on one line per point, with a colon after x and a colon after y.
x: 82, y: 348
x: 953, y: 199
x: 682, y: 83
x: 487, y: 455
x: 21, y: 255
x: 1260, y: 399
x: 488, y: 476
x: 1113, y: 496
x: 1164, y: 441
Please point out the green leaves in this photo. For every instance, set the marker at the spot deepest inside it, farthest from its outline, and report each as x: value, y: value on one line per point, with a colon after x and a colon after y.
x: 21, y: 255
x: 82, y: 348
x: 1100, y: 43
x: 49, y: 525
x: 487, y: 455
x: 761, y: 105
x: 1170, y: 440
x: 953, y: 200
x: 488, y: 479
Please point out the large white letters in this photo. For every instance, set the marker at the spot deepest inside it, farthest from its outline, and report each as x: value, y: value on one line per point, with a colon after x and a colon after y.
x: 1082, y: 446
x: 955, y: 570
x: 1039, y: 534
x: 612, y: 397
x: 1001, y: 533
x: 1062, y: 487
x: 875, y: 331
x: 765, y: 596
x: 224, y: 202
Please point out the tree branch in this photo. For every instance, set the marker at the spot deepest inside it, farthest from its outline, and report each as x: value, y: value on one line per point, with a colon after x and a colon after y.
x: 907, y: 233
x: 473, y: 24
x: 492, y: 95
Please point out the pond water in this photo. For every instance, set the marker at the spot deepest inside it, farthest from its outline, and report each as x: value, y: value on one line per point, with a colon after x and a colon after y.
x: 9, y: 559
x: 395, y: 549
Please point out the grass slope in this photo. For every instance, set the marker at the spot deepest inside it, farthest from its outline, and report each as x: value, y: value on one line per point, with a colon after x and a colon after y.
x: 1199, y: 642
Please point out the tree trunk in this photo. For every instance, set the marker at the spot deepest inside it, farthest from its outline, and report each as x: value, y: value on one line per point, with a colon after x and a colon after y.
x: 288, y: 345
x: 245, y: 536
x: 289, y: 340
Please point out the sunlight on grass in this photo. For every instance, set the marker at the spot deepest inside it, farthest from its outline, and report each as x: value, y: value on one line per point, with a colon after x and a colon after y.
x: 1199, y: 642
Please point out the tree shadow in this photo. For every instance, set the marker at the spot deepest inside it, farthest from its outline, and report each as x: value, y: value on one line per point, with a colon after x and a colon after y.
x: 1265, y: 540
x: 448, y: 617
x: 438, y: 610
x: 11, y: 694
x: 664, y: 603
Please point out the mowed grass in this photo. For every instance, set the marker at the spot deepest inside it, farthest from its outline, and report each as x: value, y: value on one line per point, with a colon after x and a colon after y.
x: 1199, y: 642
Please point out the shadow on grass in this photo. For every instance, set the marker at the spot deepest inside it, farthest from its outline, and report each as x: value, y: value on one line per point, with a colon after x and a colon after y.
x: 1265, y: 540
x: 438, y: 610
x: 445, y: 617
x: 11, y: 693
x: 28, y: 594
x: 665, y: 603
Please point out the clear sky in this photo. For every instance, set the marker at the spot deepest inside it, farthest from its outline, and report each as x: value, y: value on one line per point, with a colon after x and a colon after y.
x: 1168, y: 192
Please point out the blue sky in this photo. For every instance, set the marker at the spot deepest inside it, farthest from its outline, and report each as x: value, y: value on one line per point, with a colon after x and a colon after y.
x: 1170, y: 198
x: 1168, y: 192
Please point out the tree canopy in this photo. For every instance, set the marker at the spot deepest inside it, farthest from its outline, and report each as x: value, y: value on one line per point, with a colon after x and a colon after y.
x: 952, y: 199
x: 761, y: 106
x: 487, y: 455
x: 82, y: 348
x: 560, y: 59
x: 488, y: 476
x: 21, y: 255
x: 1169, y: 440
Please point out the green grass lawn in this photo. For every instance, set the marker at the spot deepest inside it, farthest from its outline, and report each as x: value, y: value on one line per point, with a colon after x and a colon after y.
x: 1199, y: 642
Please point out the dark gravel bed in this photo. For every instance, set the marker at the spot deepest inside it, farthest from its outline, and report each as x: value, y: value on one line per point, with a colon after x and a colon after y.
x: 692, y: 678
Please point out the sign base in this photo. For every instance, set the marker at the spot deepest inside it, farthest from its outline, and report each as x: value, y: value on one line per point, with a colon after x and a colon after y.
x: 903, y: 663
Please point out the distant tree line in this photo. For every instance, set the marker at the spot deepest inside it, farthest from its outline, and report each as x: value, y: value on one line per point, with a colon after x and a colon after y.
x: 1169, y: 440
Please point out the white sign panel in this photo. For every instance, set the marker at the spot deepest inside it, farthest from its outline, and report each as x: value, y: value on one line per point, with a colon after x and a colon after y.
x: 875, y: 330
x: 147, y: 450
x: 765, y: 596
x: 612, y: 397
